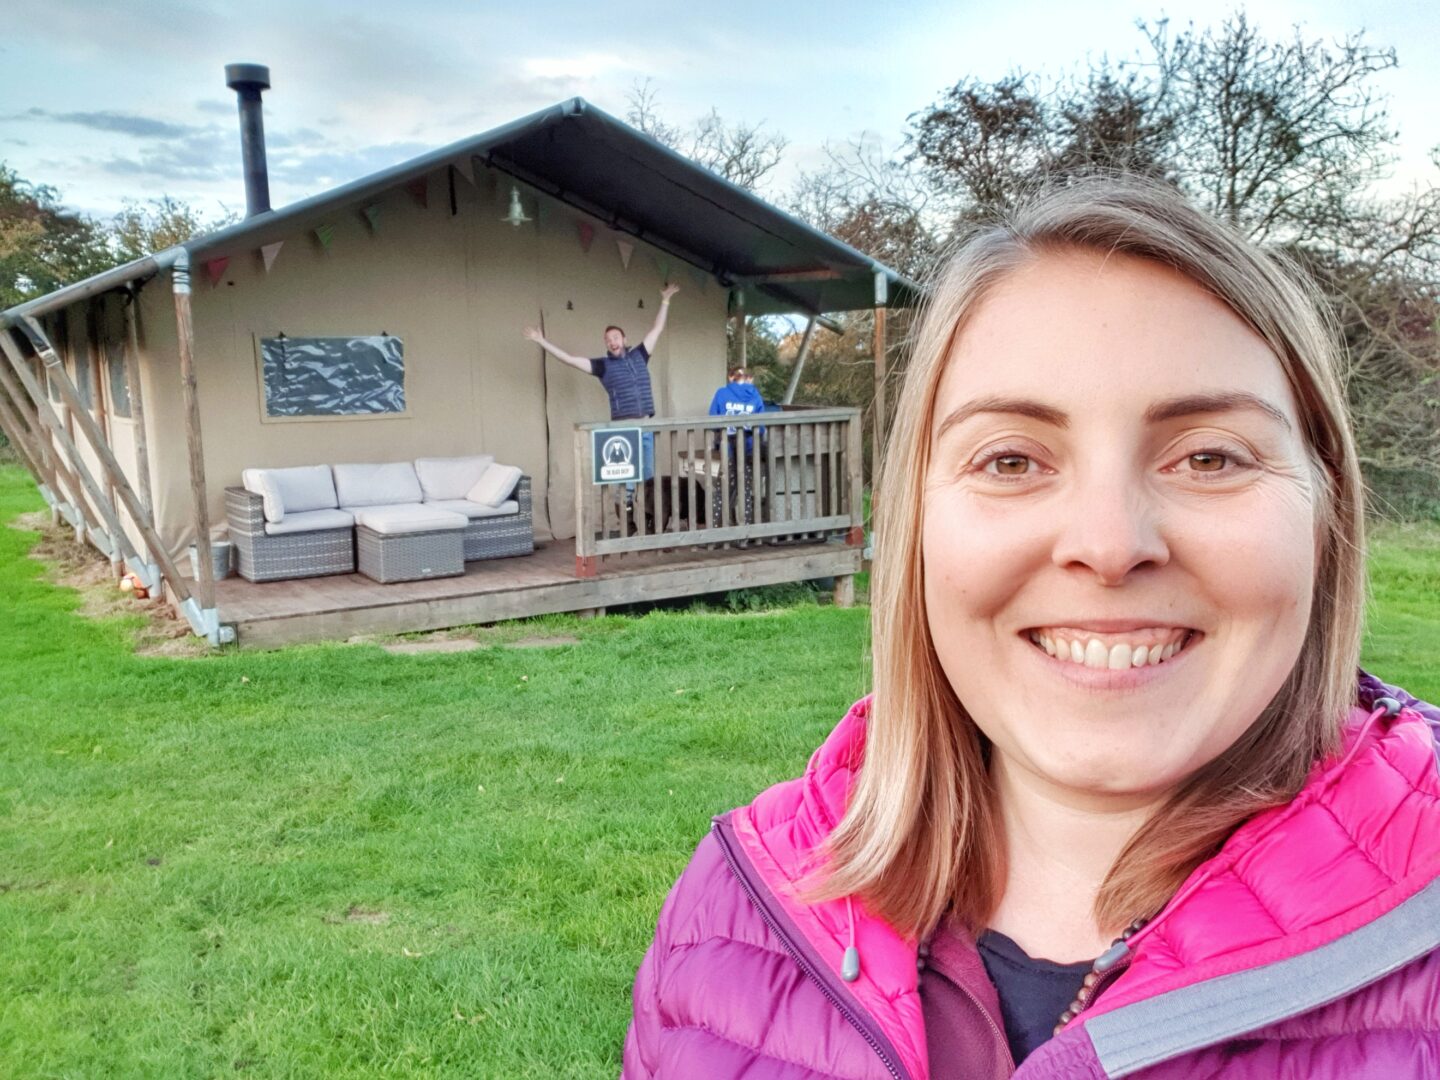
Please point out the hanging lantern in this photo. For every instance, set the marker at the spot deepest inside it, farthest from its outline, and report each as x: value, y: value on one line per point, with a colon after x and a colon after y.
x: 516, y: 216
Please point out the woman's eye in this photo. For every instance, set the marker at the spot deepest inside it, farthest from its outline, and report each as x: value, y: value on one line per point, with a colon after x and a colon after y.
x: 1207, y: 461
x: 1009, y: 465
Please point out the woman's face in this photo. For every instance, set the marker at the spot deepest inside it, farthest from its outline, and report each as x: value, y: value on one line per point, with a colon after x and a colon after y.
x: 1119, y: 525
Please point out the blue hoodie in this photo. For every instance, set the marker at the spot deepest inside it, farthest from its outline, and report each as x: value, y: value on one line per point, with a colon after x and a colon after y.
x: 736, y: 399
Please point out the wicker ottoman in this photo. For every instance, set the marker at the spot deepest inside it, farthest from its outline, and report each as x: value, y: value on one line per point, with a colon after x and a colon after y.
x: 409, y: 543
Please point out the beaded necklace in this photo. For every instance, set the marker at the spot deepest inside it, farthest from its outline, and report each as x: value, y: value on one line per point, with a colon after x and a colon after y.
x: 1105, y: 963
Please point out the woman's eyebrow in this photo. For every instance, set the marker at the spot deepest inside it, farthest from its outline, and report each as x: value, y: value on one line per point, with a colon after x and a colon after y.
x: 1226, y: 401
x: 1047, y: 414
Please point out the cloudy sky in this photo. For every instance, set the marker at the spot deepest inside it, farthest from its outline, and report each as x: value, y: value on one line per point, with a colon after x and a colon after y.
x: 109, y: 102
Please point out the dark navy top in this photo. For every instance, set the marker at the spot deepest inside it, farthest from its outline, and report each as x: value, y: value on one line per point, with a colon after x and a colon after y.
x: 627, y: 382
x: 1033, y: 993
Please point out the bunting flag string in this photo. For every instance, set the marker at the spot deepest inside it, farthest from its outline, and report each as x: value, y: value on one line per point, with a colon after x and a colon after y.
x: 216, y: 269
x: 626, y: 250
x: 268, y: 252
x: 466, y: 168
x: 419, y: 190
x: 372, y: 217
x: 587, y: 235
x: 325, y: 233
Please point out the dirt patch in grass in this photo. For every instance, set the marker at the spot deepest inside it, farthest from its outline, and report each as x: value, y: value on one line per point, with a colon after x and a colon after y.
x: 358, y: 914
x: 88, y: 572
x: 439, y: 645
x: 553, y: 642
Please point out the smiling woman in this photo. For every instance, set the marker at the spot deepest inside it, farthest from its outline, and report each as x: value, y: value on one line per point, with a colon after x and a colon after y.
x: 1118, y: 802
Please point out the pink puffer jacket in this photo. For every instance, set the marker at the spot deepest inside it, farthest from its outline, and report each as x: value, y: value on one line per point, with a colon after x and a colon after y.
x: 1308, y: 947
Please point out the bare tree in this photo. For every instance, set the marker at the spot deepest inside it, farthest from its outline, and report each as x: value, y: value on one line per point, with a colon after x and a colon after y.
x: 1275, y: 137
x: 742, y: 153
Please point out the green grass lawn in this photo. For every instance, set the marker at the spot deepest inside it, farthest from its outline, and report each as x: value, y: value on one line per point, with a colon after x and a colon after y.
x: 337, y: 860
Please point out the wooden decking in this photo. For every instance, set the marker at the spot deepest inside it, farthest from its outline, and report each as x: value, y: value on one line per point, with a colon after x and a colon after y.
x: 280, y: 613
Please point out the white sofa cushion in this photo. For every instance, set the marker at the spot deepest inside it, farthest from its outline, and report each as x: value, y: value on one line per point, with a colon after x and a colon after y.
x: 408, y: 518
x: 450, y: 477
x: 496, y: 485
x: 291, y: 491
x: 475, y: 510
x: 310, y: 521
x: 376, y: 485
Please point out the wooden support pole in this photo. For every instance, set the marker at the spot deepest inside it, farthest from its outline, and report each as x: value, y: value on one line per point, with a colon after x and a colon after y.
x: 845, y: 591
x: 740, y: 326
x: 102, y: 449
x: 137, y: 398
x: 19, y: 437
x: 29, y: 407
x: 98, y: 389
x: 800, y: 356
x: 185, y: 332
x: 878, y: 410
x: 106, y: 523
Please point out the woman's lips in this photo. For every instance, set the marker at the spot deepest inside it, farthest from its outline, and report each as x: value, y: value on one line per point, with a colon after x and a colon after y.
x: 1116, y: 651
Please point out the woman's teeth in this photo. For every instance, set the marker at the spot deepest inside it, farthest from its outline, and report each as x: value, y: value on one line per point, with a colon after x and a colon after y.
x: 1115, y: 655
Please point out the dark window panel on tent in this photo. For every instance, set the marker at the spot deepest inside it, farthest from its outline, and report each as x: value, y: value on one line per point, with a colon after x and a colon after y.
x: 333, y: 376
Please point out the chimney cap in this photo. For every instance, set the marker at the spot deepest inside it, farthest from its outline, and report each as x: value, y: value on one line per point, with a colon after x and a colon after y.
x: 247, y: 76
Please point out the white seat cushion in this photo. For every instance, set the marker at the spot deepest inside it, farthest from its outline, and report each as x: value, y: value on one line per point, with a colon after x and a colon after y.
x: 408, y: 518
x: 310, y: 521
x: 496, y: 485
x: 291, y: 491
x: 450, y: 477
x: 475, y: 510
x: 376, y: 485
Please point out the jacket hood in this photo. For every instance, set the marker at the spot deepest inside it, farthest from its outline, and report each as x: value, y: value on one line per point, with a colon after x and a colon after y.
x: 1361, y: 839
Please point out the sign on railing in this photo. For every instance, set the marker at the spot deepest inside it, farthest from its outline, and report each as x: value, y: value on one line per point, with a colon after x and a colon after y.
x: 795, y: 477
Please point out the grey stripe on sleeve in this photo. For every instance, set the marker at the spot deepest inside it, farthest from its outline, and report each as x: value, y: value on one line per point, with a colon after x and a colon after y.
x: 1137, y: 1036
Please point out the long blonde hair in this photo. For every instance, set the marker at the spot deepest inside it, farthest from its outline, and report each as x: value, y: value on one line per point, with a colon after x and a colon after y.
x: 921, y: 834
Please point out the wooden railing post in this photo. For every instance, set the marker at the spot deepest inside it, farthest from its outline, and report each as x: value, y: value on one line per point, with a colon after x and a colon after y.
x: 587, y: 563
x: 855, y: 482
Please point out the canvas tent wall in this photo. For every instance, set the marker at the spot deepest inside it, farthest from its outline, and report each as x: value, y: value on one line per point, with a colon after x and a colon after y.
x: 458, y: 291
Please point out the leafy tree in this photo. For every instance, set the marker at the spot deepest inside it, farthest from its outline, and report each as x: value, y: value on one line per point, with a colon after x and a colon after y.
x: 144, y: 228
x: 43, y: 245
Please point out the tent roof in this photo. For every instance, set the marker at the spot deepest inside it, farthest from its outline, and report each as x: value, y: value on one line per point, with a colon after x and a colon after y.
x: 580, y: 155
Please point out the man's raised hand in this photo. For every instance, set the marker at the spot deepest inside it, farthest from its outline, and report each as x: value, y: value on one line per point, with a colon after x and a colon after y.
x: 668, y: 291
x: 534, y: 334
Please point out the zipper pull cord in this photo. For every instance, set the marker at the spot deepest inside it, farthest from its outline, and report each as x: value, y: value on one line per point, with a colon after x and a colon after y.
x: 850, y: 966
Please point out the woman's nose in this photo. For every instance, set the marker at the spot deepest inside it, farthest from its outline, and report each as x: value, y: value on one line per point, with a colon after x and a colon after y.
x: 1111, y: 529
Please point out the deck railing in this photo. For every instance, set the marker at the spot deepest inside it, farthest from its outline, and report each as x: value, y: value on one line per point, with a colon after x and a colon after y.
x: 794, y: 476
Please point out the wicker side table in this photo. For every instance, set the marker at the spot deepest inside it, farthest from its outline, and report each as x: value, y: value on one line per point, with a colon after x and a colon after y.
x: 409, y: 543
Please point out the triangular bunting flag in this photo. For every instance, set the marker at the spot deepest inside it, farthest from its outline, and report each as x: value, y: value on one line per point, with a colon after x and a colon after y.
x: 466, y: 168
x: 587, y: 234
x: 216, y: 269
x: 372, y: 217
x: 702, y: 279
x: 325, y: 233
x: 269, y: 251
x: 626, y: 250
x: 663, y: 265
x: 542, y: 211
x: 419, y: 191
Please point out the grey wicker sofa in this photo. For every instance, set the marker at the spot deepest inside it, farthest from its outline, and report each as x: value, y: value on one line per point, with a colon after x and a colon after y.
x: 300, y: 522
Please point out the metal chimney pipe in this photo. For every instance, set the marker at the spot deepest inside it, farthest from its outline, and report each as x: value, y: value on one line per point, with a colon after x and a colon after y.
x: 248, y: 80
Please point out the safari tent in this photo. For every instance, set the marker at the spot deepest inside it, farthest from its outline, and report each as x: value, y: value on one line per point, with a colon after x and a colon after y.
x: 382, y: 322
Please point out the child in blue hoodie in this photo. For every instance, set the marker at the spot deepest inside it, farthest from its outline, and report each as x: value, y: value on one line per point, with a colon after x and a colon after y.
x: 738, y: 397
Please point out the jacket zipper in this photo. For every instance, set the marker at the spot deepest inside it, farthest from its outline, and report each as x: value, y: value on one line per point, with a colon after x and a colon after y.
x: 1004, y: 1044
x: 800, y: 960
